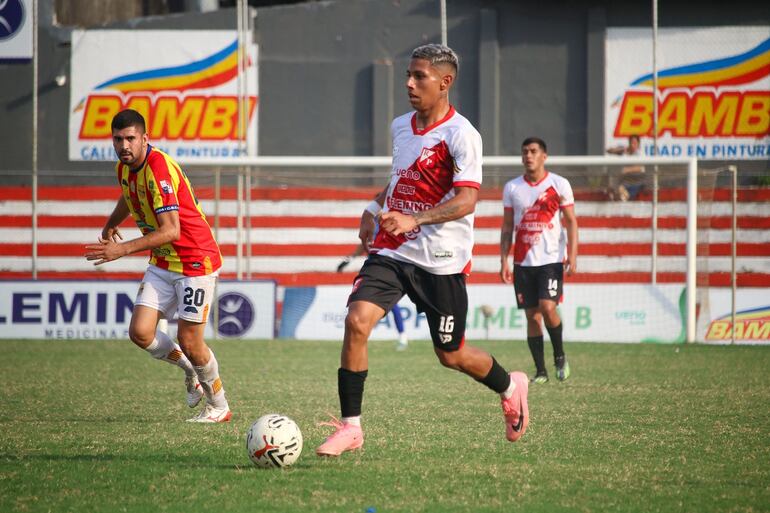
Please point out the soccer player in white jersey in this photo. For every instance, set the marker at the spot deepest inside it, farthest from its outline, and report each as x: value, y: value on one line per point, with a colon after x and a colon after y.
x: 537, y: 209
x: 423, y: 248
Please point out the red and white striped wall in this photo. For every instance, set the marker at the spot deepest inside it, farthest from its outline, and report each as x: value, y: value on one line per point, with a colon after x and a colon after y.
x: 298, y: 236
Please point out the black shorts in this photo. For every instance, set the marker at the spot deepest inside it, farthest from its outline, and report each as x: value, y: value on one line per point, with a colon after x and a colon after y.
x: 535, y: 283
x: 443, y: 298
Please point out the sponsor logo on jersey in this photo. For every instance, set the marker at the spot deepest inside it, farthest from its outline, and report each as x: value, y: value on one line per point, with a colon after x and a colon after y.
x: 443, y: 254
x: 405, y: 189
x: 413, y: 234
x: 411, y: 174
x: 166, y: 187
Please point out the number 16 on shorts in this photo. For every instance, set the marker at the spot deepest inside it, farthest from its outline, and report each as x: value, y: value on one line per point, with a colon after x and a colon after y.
x: 446, y: 326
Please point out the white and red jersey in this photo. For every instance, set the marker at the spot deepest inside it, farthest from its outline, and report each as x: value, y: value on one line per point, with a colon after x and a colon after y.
x: 538, y: 234
x: 427, y: 165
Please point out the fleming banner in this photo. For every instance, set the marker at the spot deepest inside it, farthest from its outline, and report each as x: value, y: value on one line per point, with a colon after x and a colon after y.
x: 184, y: 83
x: 713, y: 91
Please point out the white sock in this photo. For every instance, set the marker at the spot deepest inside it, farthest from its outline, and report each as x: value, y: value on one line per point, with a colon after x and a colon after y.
x: 509, y: 391
x: 356, y: 421
x: 208, y: 375
x: 402, y: 339
x: 163, y: 348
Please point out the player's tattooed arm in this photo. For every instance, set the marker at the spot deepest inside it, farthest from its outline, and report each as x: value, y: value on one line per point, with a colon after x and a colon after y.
x: 461, y: 205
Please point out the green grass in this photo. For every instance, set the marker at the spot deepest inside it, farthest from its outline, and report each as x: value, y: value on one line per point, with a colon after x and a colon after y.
x: 99, y: 426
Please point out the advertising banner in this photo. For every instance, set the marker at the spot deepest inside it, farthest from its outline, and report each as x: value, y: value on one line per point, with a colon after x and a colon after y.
x: 184, y: 83
x: 714, y: 91
x: 752, y: 317
x: 592, y: 313
x: 102, y: 309
x: 15, y: 30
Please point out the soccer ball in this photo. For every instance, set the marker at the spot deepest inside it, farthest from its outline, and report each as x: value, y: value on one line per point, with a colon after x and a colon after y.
x: 274, y: 441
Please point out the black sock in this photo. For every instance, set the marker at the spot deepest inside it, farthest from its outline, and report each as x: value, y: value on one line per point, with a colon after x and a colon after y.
x: 350, y: 386
x: 536, y: 348
x: 497, y: 379
x: 556, y: 341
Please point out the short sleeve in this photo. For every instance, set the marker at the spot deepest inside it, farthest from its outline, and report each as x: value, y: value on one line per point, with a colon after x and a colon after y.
x: 565, y: 193
x: 508, y: 195
x: 466, y: 150
x: 161, y: 183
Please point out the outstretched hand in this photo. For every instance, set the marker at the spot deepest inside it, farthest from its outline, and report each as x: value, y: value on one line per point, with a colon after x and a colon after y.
x: 106, y: 251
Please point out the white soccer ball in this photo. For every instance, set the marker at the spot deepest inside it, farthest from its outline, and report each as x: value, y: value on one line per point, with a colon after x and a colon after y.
x: 274, y: 440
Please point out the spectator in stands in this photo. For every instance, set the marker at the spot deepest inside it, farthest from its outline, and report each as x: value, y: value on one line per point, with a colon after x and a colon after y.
x: 423, y: 249
x: 631, y: 181
x: 184, y: 261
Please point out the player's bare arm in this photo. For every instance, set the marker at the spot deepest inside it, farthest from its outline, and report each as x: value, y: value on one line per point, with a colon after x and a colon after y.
x: 506, y: 235
x: 108, y: 250
x: 461, y: 205
x: 368, y: 221
x: 119, y: 214
x: 571, y: 225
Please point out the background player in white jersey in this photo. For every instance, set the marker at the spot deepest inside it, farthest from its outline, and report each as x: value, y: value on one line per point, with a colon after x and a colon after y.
x: 533, y: 207
x: 423, y: 248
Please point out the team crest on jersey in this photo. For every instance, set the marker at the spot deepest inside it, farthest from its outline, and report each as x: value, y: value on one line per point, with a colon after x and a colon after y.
x: 427, y: 157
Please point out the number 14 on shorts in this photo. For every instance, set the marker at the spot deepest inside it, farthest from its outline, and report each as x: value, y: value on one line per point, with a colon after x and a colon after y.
x: 553, y: 287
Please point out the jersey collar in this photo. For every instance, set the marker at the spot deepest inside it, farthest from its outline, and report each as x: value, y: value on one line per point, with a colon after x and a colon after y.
x: 147, y: 155
x: 423, y: 131
x: 535, y: 184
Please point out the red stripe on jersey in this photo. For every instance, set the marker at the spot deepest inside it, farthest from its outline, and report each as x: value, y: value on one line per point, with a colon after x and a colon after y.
x: 533, y: 221
x: 425, y: 183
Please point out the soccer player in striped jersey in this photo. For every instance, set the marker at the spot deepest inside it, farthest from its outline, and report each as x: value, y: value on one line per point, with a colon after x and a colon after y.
x: 538, y: 208
x: 422, y: 249
x: 184, y: 261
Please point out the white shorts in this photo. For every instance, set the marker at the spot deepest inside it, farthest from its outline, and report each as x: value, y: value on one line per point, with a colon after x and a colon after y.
x: 166, y: 291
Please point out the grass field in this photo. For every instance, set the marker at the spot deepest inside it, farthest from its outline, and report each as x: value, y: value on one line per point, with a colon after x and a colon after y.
x: 99, y: 426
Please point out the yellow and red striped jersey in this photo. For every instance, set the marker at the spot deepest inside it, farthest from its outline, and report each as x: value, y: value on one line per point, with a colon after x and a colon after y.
x: 158, y: 186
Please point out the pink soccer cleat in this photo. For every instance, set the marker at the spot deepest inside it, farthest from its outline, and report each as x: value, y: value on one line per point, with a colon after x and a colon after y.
x: 347, y: 437
x: 515, y: 408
